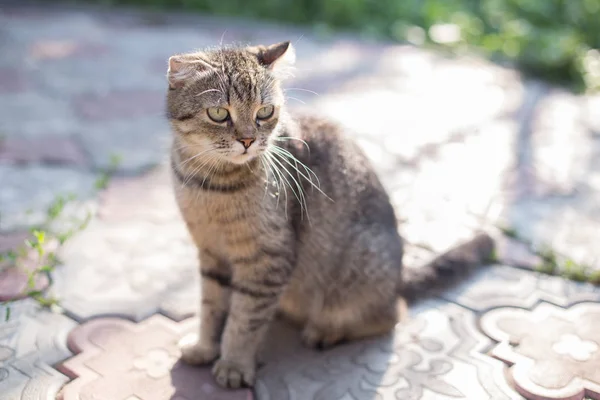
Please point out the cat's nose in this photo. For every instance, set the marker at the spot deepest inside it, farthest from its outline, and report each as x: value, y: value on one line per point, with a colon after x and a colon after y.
x: 246, y: 142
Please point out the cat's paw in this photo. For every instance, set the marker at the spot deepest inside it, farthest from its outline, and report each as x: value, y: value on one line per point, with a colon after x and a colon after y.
x: 320, y: 339
x: 234, y: 375
x: 199, y: 354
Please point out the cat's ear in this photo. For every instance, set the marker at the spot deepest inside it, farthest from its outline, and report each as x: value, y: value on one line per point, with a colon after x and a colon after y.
x: 182, y: 69
x: 276, y: 56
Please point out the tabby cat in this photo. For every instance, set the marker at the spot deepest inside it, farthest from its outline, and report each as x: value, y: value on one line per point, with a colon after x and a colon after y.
x: 287, y: 213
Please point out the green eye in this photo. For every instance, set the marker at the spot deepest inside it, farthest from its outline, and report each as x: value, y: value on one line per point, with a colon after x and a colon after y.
x: 265, y: 112
x: 218, y: 114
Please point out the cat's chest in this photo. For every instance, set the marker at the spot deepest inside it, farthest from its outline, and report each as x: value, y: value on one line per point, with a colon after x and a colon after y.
x: 216, y: 210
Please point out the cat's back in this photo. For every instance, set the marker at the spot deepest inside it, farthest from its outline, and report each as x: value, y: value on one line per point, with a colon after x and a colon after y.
x: 345, y: 175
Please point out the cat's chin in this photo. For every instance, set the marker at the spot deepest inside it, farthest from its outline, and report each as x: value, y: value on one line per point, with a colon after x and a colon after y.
x: 241, y: 159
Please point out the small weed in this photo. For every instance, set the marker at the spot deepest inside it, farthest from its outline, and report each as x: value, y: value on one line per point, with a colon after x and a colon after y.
x: 40, y: 241
x: 509, y: 232
x: 105, y: 176
x: 549, y: 259
x: 594, y: 277
x: 575, y: 271
x: 555, y: 264
x: 493, y: 257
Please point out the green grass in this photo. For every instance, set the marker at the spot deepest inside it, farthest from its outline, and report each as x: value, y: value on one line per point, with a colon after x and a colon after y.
x: 551, y: 39
x: 553, y: 263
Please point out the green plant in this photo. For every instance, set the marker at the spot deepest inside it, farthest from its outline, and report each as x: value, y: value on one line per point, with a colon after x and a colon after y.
x: 41, y: 245
x: 106, y: 174
x: 44, y: 240
x: 553, y: 263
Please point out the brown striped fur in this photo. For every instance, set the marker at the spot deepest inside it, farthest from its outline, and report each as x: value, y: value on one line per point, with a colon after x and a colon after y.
x: 326, y: 254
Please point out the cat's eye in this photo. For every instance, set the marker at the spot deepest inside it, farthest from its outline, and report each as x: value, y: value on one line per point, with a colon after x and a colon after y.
x: 218, y: 114
x: 265, y: 112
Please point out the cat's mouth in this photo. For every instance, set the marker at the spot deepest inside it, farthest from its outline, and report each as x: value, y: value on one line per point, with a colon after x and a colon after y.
x: 245, y: 155
x: 242, y: 158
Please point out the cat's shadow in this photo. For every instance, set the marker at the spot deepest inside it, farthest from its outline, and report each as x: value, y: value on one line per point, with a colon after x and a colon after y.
x: 289, y: 371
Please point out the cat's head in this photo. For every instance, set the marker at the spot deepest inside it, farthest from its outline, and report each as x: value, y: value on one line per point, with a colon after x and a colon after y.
x: 226, y: 103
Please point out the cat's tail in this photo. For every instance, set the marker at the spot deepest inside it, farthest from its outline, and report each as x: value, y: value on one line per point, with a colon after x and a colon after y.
x: 446, y: 269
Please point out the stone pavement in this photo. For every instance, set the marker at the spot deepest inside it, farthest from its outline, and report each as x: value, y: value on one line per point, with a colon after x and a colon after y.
x: 460, y: 143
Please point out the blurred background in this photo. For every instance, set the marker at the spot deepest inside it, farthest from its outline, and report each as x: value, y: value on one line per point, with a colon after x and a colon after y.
x: 474, y: 113
x: 554, y: 39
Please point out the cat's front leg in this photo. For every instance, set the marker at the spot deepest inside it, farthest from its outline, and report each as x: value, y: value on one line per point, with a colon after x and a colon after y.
x: 259, y: 278
x: 215, y: 277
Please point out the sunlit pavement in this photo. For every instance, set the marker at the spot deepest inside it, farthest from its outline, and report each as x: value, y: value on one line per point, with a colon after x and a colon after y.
x: 459, y: 143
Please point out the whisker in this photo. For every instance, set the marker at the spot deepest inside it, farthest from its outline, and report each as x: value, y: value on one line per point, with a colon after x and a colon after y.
x: 300, y: 195
x: 286, y: 155
x: 302, y: 90
x: 208, y: 91
x: 210, y: 171
x: 196, y: 156
x: 199, y: 168
x: 283, y: 179
x: 284, y: 138
x: 293, y: 98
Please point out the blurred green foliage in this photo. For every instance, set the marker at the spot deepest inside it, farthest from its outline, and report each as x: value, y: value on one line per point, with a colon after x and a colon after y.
x: 557, y: 40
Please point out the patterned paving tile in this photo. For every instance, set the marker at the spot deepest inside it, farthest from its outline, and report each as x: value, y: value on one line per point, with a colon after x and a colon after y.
x: 499, y: 286
x: 436, y: 355
x: 31, y: 341
x: 152, y: 265
x: 118, y: 359
x: 553, y: 353
x: 14, y: 283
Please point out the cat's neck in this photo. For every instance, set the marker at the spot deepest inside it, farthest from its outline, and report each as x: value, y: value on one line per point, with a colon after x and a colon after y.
x: 207, y: 169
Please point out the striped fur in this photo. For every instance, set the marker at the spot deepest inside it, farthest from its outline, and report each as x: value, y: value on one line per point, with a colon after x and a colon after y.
x: 297, y: 223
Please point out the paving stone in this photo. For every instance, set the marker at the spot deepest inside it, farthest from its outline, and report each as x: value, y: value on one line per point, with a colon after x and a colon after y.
x: 45, y: 149
x: 140, y: 142
x: 31, y: 341
x: 120, y: 200
x: 551, y: 352
x: 500, y: 285
x: 36, y: 114
x: 153, y: 264
x: 592, y: 113
x: 117, y: 359
x: 436, y: 355
x: 11, y: 241
x: 27, y: 192
x: 67, y: 49
x: 73, y: 78
x: 513, y: 252
x: 122, y: 104
x: 14, y: 282
x: 557, y: 202
x: 28, y: 24
x: 12, y: 80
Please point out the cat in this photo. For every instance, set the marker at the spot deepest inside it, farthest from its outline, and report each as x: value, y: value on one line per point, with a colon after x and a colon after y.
x: 287, y: 213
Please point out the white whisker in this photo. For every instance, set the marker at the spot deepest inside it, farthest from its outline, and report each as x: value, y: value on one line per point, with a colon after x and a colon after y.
x: 293, y: 98
x: 302, y: 90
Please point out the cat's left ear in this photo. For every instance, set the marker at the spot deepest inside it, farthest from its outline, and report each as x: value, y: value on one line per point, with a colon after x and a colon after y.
x: 276, y: 56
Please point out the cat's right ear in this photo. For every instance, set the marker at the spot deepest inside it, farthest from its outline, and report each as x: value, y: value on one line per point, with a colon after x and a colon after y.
x: 277, y: 57
x: 183, y: 69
